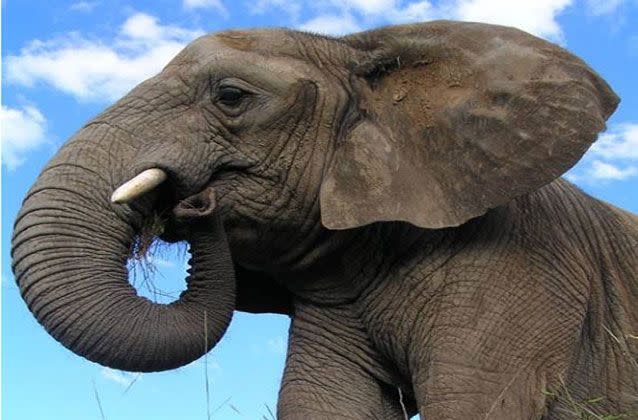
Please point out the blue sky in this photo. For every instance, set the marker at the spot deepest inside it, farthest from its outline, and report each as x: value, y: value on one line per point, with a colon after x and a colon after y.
x: 64, y: 61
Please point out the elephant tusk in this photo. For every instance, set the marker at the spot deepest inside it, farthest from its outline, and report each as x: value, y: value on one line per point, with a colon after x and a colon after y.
x: 141, y: 184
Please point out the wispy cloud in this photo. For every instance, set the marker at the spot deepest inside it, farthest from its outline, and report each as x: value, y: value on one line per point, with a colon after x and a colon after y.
x: 614, y: 157
x: 100, y: 71
x: 619, y: 142
x: 23, y: 130
x: 368, y: 7
x: 124, y: 379
x: 217, y: 5
x: 83, y: 6
x: 331, y: 24
x: 292, y: 8
x: 603, y: 7
x: 608, y: 171
x: 162, y: 262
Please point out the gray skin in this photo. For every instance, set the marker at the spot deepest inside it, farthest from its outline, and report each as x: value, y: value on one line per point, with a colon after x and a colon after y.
x: 396, y: 192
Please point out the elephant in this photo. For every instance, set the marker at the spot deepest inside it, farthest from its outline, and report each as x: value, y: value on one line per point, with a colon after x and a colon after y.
x: 396, y: 192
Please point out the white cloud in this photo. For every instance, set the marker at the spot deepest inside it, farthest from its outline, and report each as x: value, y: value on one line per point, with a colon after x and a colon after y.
x: 124, y: 379
x: 291, y: 7
x: 416, y: 11
x: 205, y: 4
x: 535, y: 16
x: 92, y: 70
x: 83, y: 6
x: 161, y: 262
x: 614, y: 156
x: 141, y: 26
x: 332, y: 25
x: 603, y: 7
x: 23, y: 130
x: 620, y: 142
x: 607, y: 171
x: 369, y: 7
x: 211, y: 364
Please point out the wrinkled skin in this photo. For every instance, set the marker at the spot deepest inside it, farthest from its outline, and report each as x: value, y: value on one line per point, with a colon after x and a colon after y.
x: 396, y: 192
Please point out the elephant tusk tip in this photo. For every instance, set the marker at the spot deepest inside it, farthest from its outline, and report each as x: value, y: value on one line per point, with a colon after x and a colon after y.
x: 118, y: 197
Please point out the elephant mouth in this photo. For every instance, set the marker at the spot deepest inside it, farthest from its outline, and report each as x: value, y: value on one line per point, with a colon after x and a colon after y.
x: 166, y: 210
x: 169, y: 218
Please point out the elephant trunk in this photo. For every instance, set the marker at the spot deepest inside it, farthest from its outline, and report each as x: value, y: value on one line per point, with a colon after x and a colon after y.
x: 70, y: 250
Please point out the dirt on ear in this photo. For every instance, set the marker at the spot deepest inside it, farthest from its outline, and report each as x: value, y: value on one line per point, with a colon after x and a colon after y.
x: 417, y: 92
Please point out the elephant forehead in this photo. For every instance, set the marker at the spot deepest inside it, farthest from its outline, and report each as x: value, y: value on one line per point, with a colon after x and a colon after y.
x: 267, y: 42
x: 247, y: 54
x: 251, y: 40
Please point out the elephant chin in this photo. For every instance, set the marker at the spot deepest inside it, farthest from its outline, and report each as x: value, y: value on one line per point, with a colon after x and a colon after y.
x: 70, y: 251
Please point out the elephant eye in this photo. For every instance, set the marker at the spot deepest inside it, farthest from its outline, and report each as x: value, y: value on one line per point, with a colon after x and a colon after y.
x: 231, y: 96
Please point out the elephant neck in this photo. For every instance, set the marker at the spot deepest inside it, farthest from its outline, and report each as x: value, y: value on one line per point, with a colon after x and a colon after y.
x: 346, y: 263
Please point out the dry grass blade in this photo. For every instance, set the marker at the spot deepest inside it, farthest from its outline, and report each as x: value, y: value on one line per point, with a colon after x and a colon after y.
x: 152, y: 228
x: 235, y: 409
x: 130, y: 385
x: 580, y: 409
x: 99, y: 402
x: 405, y: 411
x: 624, y: 347
x: 270, y: 413
x: 206, y: 382
x: 219, y: 407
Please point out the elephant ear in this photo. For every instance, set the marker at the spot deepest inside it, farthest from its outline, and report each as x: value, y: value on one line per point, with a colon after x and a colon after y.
x: 455, y: 119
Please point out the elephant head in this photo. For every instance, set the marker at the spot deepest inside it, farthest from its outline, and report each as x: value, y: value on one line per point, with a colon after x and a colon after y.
x: 285, y: 143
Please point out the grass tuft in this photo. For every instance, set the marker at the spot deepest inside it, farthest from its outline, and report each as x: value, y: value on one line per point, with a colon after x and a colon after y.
x: 152, y: 228
x: 587, y: 409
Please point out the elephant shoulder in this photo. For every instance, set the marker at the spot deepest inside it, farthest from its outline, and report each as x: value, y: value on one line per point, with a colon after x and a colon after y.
x: 557, y: 213
x: 630, y: 220
x: 560, y: 212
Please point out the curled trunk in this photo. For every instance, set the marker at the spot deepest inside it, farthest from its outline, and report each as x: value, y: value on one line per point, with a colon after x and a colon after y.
x: 70, y: 251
